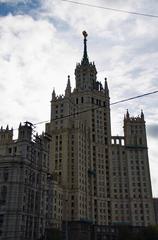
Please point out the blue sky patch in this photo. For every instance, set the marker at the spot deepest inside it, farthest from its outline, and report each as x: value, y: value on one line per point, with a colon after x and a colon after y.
x: 20, y: 8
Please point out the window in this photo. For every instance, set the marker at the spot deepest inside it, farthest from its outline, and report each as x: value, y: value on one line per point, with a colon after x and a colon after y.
x: 3, y: 194
x: 1, y: 219
x: 93, y: 138
x: 9, y: 150
x: 140, y: 140
x: 5, y: 174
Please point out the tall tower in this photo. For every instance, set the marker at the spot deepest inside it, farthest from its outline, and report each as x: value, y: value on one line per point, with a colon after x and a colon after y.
x: 140, y: 192
x: 81, y: 137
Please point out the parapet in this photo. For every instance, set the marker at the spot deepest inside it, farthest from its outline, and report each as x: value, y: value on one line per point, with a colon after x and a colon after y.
x: 137, y: 119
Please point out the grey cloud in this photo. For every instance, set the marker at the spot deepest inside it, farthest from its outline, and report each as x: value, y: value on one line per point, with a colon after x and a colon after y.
x: 2, y: 87
x: 7, y: 57
x: 153, y: 130
x: 135, y: 72
x: 20, y: 102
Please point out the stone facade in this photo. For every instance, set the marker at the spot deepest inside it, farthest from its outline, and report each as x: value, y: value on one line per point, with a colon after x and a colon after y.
x: 23, y: 184
x: 131, y: 186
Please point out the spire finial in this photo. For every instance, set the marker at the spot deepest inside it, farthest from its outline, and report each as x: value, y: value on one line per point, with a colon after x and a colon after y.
x: 85, y: 34
x: 85, y: 55
x: 68, y: 82
x: 106, y: 85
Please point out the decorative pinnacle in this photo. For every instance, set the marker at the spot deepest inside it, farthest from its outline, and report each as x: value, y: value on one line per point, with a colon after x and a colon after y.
x: 68, y: 82
x: 127, y: 114
x: 85, y: 55
x: 142, y: 114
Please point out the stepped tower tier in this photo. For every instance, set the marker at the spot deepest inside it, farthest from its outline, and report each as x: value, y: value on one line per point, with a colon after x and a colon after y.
x: 85, y: 72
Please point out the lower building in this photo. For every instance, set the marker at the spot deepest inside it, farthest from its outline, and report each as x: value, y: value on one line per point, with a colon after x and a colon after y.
x: 55, y: 202
x: 23, y: 184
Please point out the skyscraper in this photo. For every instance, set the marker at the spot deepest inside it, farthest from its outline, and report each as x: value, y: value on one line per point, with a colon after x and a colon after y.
x: 104, y: 179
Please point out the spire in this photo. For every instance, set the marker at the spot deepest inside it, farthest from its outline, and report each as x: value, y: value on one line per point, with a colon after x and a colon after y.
x: 68, y: 87
x: 85, y: 59
x: 142, y: 115
x: 127, y: 114
x: 68, y: 82
x: 53, y: 94
x: 106, y: 86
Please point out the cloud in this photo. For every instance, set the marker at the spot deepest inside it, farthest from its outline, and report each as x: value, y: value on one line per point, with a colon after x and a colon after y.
x: 31, y: 55
x: 153, y: 130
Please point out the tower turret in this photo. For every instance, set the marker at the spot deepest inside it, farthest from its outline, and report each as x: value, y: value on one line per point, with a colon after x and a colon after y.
x: 135, y: 130
x: 6, y: 135
x: 25, y: 132
x: 85, y: 72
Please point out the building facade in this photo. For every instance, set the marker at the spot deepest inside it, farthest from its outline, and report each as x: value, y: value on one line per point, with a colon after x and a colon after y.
x: 131, y: 186
x: 105, y: 179
x: 24, y: 165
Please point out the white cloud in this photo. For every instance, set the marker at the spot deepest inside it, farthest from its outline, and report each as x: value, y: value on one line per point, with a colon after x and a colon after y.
x: 31, y: 58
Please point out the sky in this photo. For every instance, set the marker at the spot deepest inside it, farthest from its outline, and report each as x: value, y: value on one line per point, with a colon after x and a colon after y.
x: 41, y: 41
